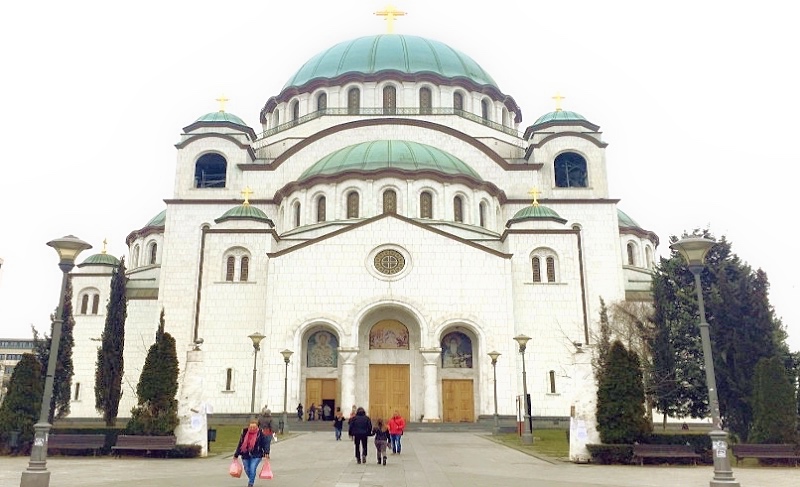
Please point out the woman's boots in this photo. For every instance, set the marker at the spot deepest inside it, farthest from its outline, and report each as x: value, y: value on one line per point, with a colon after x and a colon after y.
x: 384, y: 461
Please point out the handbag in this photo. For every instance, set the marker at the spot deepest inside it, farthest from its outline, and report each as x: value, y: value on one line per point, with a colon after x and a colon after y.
x: 235, y: 470
x: 266, y: 471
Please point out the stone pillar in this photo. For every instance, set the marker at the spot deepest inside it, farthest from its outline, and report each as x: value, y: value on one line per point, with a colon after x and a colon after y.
x: 348, y: 357
x: 431, y: 358
x: 583, y: 412
x: 192, y: 408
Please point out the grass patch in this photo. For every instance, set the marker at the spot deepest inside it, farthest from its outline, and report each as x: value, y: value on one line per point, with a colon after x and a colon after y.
x: 548, y: 442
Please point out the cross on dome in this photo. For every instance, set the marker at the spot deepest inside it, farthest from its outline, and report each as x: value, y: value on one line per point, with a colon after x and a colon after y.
x: 105, y: 243
x: 222, y: 101
x: 246, y: 192
x: 558, y: 99
x: 390, y: 12
x: 535, y: 193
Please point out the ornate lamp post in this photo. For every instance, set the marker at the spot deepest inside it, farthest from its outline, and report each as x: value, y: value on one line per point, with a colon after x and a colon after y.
x: 527, y: 434
x: 287, y: 354
x: 256, y: 338
x: 494, y: 354
x: 37, y: 475
x: 694, y: 250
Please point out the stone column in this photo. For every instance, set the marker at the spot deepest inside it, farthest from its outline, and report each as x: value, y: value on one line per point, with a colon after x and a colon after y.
x: 431, y: 358
x: 192, y: 408
x: 348, y: 357
x: 583, y: 413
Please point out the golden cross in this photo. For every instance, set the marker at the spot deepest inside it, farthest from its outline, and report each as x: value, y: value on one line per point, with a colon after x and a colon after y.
x: 535, y: 193
x: 105, y: 242
x: 222, y: 101
x: 558, y: 99
x: 246, y: 192
x: 390, y: 12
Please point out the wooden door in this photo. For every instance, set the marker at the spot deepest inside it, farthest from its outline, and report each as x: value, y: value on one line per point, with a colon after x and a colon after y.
x: 319, y: 392
x: 458, y: 401
x: 389, y: 390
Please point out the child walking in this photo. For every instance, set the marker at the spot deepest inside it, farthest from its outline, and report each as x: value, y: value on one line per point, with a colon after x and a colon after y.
x: 381, y: 434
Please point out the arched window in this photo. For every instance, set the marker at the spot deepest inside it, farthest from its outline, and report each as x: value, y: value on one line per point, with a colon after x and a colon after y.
x: 505, y: 117
x: 84, y: 304
x: 244, y: 269
x: 210, y: 171
x: 295, y: 110
x: 426, y: 205
x: 425, y: 102
x: 551, y: 269
x: 546, y: 257
x: 389, y: 99
x: 458, y: 209
x: 485, y: 109
x: 353, y: 101
x: 135, y: 260
x: 537, y: 269
x: 631, y: 254
x: 458, y: 101
x: 321, y: 209
x: 389, y: 201
x: 551, y: 376
x: 322, y: 101
x: 276, y: 118
x: 230, y: 267
x: 77, y: 392
x: 153, y: 253
x: 95, y: 304
x: 297, y: 214
x: 352, y: 204
x: 570, y: 169
x: 648, y: 254
x: 482, y: 214
x: 229, y: 379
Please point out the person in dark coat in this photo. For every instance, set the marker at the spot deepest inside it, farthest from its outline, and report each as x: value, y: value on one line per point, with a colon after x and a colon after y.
x: 360, y: 428
x: 299, y: 411
x: 381, y: 434
x: 252, y: 447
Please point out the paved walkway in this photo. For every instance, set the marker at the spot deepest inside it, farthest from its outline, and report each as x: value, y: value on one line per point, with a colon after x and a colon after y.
x: 428, y: 460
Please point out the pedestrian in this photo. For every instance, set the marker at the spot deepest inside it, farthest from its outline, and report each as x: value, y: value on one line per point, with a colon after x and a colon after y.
x: 265, y: 423
x: 381, y: 434
x: 300, y: 411
x: 326, y: 412
x: 350, y: 419
x: 396, y: 427
x: 360, y: 428
x: 312, y: 412
x: 252, y: 447
x: 338, y: 424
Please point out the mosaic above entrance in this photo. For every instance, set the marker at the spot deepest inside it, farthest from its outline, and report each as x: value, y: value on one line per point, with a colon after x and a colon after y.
x: 388, y: 334
x: 321, y: 348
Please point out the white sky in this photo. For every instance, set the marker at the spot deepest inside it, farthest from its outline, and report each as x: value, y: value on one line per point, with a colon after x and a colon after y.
x: 697, y: 100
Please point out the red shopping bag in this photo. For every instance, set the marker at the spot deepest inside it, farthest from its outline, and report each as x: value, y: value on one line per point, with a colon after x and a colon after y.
x: 235, y: 470
x: 266, y: 470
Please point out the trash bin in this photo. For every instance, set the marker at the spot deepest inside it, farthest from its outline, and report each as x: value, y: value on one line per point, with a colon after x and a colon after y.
x: 212, y: 436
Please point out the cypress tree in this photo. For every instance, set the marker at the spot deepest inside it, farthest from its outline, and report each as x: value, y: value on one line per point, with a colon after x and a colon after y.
x: 110, y: 364
x: 774, y: 404
x: 22, y: 405
x: 621, y: 416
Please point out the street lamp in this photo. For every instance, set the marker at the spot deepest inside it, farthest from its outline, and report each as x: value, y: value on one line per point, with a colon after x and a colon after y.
x: 256, y: 337
x: 494, y: 354
x: 527, y: 433
x: 37, y: 475
x: 287, y: 354
x: 694, y: 250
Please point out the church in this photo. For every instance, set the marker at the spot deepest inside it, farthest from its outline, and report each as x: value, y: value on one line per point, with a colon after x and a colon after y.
x: 390, y: 222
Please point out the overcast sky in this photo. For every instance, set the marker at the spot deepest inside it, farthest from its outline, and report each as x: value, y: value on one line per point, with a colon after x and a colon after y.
x: 697, y: 100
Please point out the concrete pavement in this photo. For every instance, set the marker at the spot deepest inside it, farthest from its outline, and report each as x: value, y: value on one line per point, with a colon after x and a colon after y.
x: 428, y: 460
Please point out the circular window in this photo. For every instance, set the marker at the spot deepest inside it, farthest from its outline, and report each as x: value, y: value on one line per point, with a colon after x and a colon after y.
x: 389, y: 262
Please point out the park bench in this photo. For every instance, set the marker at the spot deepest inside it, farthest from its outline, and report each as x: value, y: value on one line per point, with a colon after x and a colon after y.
x: 143, y: 443
x: 643, y: 451
x: 772, y: 451
x: 63, y: 441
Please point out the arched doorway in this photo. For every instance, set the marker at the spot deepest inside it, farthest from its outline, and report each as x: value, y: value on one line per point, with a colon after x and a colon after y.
x: 389, y: 374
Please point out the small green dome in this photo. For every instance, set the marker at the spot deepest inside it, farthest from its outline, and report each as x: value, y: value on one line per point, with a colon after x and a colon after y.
x: 390, y: 52
x: 560, y: 116
x: 221, y: 117
x: 158, y: 220
x: 100, y: 259
x: 625, y: 221
x: 535, y: 212
x: 379, y: 155
x: 244, y: 212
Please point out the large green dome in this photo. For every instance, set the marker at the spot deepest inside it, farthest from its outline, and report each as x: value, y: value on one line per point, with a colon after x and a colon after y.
x: 390, y: 52
x: 379, y: 155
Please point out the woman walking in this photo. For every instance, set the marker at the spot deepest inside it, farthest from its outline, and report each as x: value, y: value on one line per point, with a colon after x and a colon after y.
x: 338, y: 424
x: 381, y: 433
x: 360, y: 429
x: 252, y: 447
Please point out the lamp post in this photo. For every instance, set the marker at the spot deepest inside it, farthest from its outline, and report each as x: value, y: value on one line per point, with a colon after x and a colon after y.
x: 37, y: 474
x: 494, y: 354
x: 694, y: 250
x: 256, y: 338
x: 527, y: 434
x: 287, y: 354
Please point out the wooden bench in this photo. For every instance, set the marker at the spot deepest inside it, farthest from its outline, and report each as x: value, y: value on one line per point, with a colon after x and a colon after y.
x: 143, y: 443
x: 773, y: 451
x: 664, y: 451
x: 76, y: 442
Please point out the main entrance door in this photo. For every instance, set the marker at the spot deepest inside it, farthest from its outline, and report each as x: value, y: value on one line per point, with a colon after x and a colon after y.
x: 389, y: 390
x: 321, y: 392
x: 459, y: 406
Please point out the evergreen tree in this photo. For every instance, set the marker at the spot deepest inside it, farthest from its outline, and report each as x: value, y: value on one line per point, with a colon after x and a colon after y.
x: 22, y: 405
x: 62, y: 378
x: 110, y: 364
x: 157, y: 410
x: 603, y: 341
x: 774, y: 404
x: 621, y: 416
